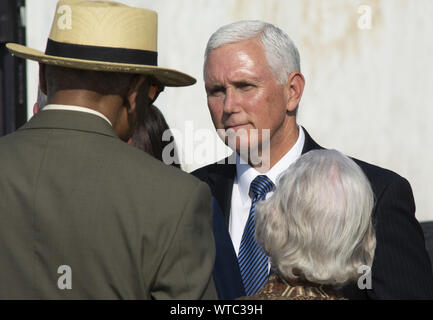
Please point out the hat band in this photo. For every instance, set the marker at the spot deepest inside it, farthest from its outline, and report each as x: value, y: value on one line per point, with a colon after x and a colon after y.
x: 97, y: 53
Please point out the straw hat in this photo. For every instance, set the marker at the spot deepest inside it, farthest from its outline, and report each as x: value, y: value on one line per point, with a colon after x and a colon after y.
x: 104, y: 36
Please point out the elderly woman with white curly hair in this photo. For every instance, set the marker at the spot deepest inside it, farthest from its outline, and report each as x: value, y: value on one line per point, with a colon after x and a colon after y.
x: 316, y: 228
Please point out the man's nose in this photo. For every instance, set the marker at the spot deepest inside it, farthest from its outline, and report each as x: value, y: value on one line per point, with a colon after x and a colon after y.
x: 230, y: 101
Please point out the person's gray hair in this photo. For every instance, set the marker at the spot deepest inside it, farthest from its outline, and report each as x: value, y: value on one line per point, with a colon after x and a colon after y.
x: 317, y: 225
x: 281, y: 53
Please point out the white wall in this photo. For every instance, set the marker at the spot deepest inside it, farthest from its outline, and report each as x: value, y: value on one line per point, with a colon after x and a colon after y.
x: 367, y: 90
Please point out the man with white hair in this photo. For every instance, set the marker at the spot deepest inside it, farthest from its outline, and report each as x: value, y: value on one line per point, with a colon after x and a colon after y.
x: 254, y: 85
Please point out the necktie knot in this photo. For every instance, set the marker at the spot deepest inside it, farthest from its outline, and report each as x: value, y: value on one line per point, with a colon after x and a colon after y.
x: 260, y: 186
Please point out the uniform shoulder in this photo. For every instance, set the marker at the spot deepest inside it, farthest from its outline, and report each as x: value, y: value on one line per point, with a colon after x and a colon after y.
x: 156, y: 172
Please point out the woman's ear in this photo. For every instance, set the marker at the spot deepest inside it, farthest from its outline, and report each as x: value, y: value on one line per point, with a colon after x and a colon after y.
x: 294, y: 89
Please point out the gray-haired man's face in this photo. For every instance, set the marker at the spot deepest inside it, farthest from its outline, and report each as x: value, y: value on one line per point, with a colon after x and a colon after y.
x: 243, y: 94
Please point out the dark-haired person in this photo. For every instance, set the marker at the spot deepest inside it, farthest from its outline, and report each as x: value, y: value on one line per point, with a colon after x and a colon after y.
x: 148, y: 136
x: 83, y: 214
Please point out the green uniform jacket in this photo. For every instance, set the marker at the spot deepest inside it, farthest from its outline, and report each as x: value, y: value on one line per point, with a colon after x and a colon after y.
x: 84, y: 215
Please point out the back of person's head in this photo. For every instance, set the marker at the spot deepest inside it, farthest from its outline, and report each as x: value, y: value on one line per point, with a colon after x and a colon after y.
x: 317, y: 225
x: 281, y: 53
x: 148, y: 135
x: 100, y: 82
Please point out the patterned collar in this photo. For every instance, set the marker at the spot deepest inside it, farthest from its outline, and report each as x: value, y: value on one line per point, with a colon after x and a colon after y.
x: 279, y: 289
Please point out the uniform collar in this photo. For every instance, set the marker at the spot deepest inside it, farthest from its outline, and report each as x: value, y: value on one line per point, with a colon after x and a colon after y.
x: 75, y: 108
x: 70, y: 120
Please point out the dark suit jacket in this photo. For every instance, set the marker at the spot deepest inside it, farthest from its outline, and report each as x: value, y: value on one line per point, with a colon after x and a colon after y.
x: 226, y: 273
x: 72, y: 193
x: 401, y: 268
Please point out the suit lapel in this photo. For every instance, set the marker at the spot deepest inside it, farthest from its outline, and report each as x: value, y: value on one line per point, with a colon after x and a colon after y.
x: 309, y: 143
x: 223, y: 189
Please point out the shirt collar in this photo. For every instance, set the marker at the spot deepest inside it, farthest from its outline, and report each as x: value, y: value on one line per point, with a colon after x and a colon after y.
x: 75, y: 108
x: 245, y: 174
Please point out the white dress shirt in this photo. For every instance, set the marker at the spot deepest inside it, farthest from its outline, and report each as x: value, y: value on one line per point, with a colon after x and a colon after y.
x: 75, y: 108
x: 245, y: 174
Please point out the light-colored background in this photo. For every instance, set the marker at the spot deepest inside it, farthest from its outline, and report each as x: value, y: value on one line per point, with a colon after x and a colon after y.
x: 368, y: 91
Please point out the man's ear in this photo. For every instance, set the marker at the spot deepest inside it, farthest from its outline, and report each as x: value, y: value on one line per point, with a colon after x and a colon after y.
x: 133, y: 91
x: 294, y: 89
x: 35, y: 108
x: 42, y: 78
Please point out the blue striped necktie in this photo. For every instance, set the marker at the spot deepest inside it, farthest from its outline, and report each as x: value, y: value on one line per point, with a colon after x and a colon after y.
x: 252, y: 259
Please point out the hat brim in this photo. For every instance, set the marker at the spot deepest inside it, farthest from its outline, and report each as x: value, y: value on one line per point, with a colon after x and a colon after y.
x: 168, y: 77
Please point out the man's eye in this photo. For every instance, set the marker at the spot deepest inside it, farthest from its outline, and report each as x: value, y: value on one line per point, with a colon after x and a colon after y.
x: 216, y: 91
x: 245, y: 86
